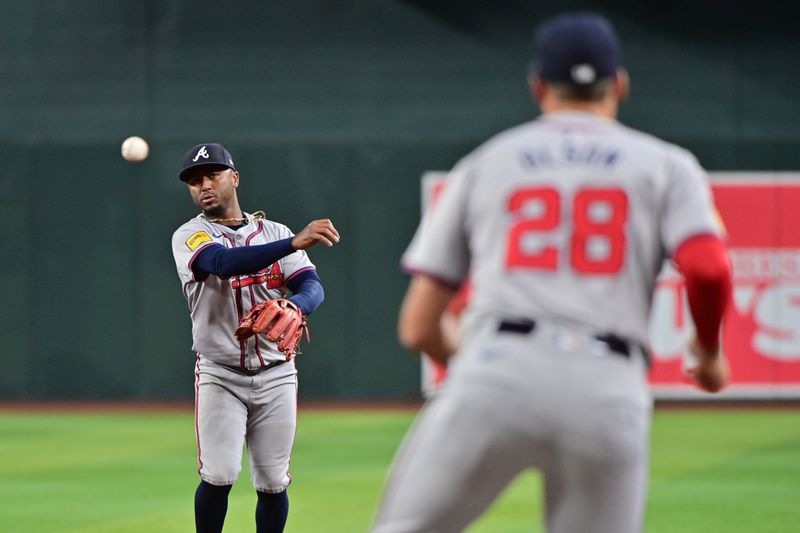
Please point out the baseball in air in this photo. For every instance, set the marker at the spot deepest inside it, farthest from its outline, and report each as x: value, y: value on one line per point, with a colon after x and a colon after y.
x: 135, y: 149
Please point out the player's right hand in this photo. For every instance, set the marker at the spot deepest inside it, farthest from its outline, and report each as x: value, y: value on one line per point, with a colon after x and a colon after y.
x: 712, y: 372
x: 316, y: 231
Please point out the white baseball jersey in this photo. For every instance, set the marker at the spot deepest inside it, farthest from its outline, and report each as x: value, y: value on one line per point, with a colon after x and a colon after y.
x: 217, y: 305
x: 567, y: 218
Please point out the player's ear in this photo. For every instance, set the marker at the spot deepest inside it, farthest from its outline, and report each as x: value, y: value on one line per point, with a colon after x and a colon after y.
x: 537, y: 87
x: 622, y: 85
x: 235, y: 178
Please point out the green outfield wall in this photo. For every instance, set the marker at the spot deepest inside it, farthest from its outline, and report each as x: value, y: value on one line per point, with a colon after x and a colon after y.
x: 331, y: 109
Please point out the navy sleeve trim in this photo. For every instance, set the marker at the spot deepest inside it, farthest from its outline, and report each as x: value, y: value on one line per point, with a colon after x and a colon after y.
x: 435, y: 277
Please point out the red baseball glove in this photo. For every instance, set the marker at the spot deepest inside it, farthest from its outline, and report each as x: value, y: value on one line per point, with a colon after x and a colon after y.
x: 280, y: 321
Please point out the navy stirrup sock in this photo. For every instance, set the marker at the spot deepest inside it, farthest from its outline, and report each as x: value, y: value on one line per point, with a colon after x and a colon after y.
x: 210, y: 506
x: 271, y: 512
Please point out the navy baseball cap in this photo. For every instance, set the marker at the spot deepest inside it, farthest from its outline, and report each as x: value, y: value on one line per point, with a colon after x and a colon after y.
x: 206, y: 154
x: 578, y: 48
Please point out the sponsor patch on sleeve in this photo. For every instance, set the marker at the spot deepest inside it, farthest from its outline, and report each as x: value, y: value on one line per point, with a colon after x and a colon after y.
x: 197, y: 239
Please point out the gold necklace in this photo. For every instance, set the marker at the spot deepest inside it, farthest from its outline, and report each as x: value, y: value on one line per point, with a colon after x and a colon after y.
x: 258, y: 215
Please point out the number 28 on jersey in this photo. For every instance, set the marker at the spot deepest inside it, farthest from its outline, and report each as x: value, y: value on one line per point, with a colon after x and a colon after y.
x: 597, y: 240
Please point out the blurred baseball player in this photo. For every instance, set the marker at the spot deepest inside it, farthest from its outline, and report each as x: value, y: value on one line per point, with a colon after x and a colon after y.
x: 563, y: 224
x: 245, y: 390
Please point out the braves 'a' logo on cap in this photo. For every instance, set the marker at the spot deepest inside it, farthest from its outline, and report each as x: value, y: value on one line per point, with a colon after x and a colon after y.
x: 202, y: 152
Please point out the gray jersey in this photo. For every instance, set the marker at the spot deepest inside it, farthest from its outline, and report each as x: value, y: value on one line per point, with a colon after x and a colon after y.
x: 217, y: 305
x: 567, y: 218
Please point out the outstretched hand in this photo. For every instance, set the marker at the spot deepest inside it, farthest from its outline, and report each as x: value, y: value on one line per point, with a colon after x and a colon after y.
x: 712, y: 372
x: 316, y: 231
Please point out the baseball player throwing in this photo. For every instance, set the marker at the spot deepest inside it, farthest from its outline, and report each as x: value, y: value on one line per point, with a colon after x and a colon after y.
x: 563, y: 224
x: 245, y: 385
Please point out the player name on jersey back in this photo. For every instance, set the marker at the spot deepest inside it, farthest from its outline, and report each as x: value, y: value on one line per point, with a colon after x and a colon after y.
x: 568, y: 154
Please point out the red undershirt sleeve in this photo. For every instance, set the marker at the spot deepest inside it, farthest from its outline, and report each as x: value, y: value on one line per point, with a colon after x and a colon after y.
x: 703, y: 262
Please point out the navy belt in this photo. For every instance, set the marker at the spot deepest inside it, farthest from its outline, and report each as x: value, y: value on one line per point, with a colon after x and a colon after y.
x: 254, y: 371
x: 616, y: 344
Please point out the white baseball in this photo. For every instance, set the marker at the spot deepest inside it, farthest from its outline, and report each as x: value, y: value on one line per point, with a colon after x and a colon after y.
x: 135, y: 149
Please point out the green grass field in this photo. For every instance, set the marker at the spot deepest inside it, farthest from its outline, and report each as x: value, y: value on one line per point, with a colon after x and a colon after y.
x: 729, y: 471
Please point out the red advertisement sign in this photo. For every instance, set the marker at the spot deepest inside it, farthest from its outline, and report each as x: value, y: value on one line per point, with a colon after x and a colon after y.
x: 761, y: 335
